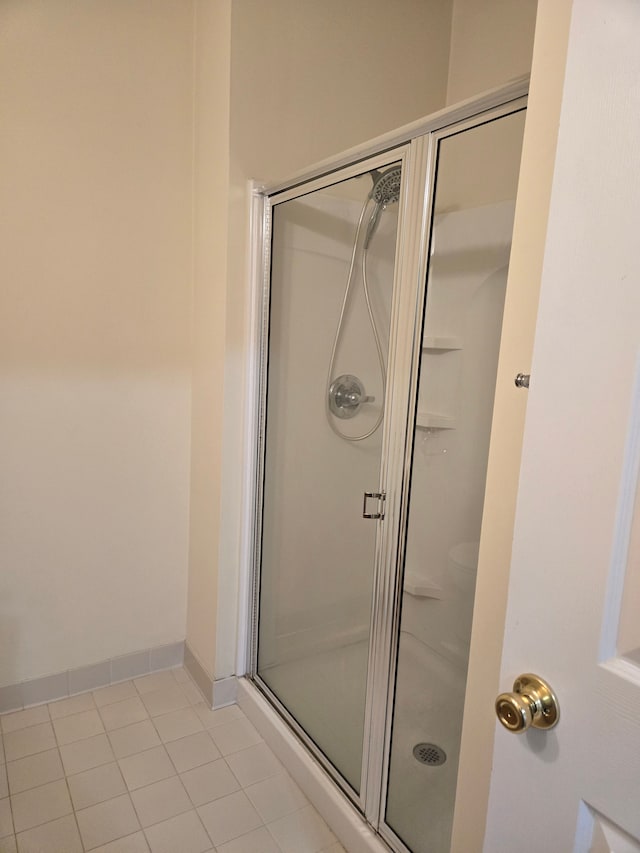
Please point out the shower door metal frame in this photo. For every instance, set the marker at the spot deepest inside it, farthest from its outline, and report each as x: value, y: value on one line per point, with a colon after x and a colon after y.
x: 416, y: 146
x: 374, y: 720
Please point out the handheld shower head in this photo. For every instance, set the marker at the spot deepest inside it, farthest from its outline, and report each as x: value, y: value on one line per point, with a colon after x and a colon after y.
x: 386, y: 186
x: 385, y: 190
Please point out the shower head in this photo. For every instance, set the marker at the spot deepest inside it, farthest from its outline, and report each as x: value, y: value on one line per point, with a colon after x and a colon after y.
x: 385, y: 190
x: 386, y: 186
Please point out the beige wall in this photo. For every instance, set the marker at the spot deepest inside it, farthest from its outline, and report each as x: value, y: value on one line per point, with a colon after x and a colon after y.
x: 211, y: 191
x: 126, y: 225
x: 95, y: 155
x: 491, y: 43
x: 311, y: 79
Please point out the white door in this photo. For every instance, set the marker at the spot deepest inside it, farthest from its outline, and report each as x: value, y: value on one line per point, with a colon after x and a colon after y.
x: 573, y: 613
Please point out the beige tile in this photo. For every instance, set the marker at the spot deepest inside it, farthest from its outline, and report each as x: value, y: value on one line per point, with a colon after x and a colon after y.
x: 8, y: 844
x: 135, y: 843
x: 96, y: 785
x: 166, y: 700
x: 209, y: 782
x: 72, y: 705
x: 234, y: 736
x: 254, y: 764
x: 181, y: 675
x: 217, y: 718
x: 34, y: 770
x: 23, y: 719
x: 335, y: 848
x: 18, y: 744
x: 192, y: 693
x: 85, y: 754
x: 114, y: 693
x: 303, y: 831
x: 155, y: 681
x: 178, y: 724
x: 40, y: 805
x: 135, y: 738
x: 2, y: 758
x: 147, y: 767
x: 123, y: 713
x: 58, y: 836
x: 276, y: 797
x: 6, y: 823
x: 107, y: 821
x: 161, y: 801
x: 229, y: 817
x: 4, y: 782
x: 192, y: 751
x: 258, y: 841
x: 184, y: 833
x: 78, y: 727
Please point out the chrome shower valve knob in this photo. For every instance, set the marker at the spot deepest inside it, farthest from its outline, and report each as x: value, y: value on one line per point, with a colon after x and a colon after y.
x: 346, y: 395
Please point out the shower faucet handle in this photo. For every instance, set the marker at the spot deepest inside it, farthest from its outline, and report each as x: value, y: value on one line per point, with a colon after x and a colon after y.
x: 346, y: 395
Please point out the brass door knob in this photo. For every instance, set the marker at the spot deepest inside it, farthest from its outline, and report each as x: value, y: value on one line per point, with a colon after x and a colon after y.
x: 532, y: 703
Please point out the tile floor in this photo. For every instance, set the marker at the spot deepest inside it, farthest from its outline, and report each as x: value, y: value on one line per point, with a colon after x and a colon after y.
x: 146, y: 766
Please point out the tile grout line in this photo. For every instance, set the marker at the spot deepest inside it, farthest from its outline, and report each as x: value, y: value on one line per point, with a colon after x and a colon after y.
x: 117, y: 760
x: 73, y: 811
x: 163, y: 745
x: 206, y: 729
x: 194, y: 807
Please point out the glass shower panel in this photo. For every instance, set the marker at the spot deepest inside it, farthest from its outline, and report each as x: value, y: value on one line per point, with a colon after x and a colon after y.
x: 476, y: 182
x: 333, y: 256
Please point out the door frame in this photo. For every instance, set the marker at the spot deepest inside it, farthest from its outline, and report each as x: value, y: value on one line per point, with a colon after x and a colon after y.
x: 418, y: 145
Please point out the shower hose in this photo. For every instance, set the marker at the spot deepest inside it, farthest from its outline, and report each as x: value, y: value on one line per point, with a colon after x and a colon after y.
x: 376, y: 337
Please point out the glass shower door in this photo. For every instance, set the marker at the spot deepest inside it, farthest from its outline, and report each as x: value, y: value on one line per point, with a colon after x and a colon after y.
x: 332, y: 271
x: 476, y: 178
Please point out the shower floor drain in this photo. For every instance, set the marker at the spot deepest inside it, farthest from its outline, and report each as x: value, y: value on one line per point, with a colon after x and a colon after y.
x: 429, y: 753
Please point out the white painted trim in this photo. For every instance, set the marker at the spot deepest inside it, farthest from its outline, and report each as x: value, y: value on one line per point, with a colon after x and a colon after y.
x: 201, y: 677
x: 225, y: 692
x: 251, y: 428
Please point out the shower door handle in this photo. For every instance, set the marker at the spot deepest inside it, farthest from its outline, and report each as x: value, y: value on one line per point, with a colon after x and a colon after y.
x: 380, y: 497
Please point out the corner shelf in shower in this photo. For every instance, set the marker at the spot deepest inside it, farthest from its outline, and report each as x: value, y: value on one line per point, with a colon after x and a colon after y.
x: 434, y: 420
x: 421, y: 587
x: 441, y: 343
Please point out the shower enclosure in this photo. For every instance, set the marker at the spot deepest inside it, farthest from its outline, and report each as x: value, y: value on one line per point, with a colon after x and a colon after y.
x: 384, y: 288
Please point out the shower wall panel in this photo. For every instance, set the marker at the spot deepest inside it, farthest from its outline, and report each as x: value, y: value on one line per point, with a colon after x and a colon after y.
x: 471, y: 256
x: 328, y: 602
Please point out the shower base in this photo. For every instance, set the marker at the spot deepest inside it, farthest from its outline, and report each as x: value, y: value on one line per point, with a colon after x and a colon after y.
x: 328, y: 688
x: 325, y: 693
